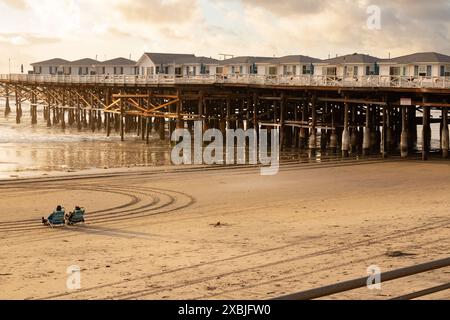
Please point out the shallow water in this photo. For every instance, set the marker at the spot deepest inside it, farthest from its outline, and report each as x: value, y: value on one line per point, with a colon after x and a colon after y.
x: 28, y: 148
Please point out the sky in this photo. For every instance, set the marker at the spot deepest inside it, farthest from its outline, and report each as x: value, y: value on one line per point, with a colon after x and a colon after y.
x: 35, y: 30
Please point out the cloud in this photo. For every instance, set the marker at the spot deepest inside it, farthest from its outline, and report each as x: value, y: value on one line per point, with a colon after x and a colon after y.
x: 158, y: 11
x: 289, y: 7
x: 24, y: 39
x: 338, y: 27
x: 17, y: 4
x: 78, y: 28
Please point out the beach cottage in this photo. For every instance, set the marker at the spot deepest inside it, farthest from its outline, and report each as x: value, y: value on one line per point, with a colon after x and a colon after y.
x: 161, y: 63
x: 293, y: 65
x: 349, y: 67
x: 83, y: 67
x: 240, y: 65
x: 194, y: 66
x: 422, y: 64
x: 118, y: 66
x: 55, y: 66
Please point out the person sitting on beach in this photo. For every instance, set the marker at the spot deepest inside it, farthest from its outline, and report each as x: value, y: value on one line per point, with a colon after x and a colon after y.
x: 76, y: 216
x: 50, y: 219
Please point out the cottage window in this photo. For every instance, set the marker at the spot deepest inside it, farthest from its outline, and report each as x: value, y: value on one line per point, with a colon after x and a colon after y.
x: 422, y: 71
x: 219, y: 70
x: 445, y: 71
x: 232, y: 69
x: 307, y: 69
x: 294, y: 70
x: 372, y: 70
x: 157, y: 70
x: 330, y: 71
x: 241, y: 69
x: 394, y: 71
x: 348, y: 71
x: 272, y: 71
x: 285, y: 70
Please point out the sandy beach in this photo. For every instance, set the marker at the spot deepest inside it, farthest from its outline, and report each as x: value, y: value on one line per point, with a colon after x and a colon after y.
x: 213, y: 233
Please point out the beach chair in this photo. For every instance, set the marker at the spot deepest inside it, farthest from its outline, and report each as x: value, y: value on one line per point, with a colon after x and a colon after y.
x: 76, y: 217
x: 57, y: 218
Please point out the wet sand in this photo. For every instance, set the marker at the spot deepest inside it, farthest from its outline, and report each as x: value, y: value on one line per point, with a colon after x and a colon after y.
x: 154, y: 234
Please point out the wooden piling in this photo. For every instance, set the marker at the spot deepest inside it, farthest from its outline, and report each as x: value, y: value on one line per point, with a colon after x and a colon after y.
x: 426, y: 131
x: 313, y: 133
x: 7, y: 106
x: 121, y: 124
x: 367, y: 133
x: 404, y: 135
x: 18, y: 106
x: 346, y: 133
x: 445, y: 134
x: 282, y: 122
x: 333, y: 137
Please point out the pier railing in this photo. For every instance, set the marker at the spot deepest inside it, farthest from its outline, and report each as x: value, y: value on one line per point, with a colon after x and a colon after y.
x: 302, y: 80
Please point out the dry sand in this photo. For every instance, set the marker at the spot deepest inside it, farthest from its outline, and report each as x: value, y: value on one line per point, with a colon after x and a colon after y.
x: 154, y: 234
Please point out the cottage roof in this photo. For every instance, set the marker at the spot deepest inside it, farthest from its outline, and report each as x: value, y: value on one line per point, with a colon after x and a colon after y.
x: 167, y: 58
x: 426, y: 57
x: 51, y: 62
x: 292, y: 59
x: 196, y: 60
x: 355, y: 58
x: 85, y: 62
x: 119, y: 62
x: 244, y: 60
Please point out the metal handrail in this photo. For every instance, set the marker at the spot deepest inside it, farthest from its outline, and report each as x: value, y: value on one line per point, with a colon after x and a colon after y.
x: 362, y: 282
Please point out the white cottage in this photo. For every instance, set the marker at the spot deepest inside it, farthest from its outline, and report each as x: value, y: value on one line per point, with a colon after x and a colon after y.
x: 240, y: 65
x: 294, y: 65
x: 55, y: 66
x: 83, y: 67
x: 118, y: 66
x: 348, y: 67
x: 161, y: 63
x: 423, y: 64
x: 194, y: 66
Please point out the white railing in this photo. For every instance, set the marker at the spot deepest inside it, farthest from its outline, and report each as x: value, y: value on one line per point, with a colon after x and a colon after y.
x: 263, y: 80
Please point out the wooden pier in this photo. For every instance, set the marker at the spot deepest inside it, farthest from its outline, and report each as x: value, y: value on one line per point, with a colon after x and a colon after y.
x: 348, y: 119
